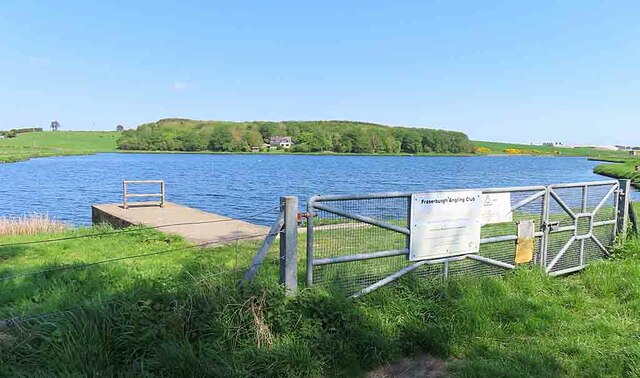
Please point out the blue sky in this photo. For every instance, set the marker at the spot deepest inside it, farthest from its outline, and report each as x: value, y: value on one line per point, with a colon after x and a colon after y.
x: 509, y: 71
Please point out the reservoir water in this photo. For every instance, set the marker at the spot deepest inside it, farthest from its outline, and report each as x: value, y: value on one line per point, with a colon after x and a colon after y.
x: 241, y: 185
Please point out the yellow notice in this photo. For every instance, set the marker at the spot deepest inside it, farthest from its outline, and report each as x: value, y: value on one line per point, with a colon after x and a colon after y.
x: 524, y: 244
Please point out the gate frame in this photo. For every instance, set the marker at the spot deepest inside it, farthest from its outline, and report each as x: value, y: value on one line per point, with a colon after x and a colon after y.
x: 620, y: 188
x: 619, y: 221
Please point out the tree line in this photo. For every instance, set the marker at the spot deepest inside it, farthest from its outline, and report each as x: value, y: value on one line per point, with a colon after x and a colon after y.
x: 307, y: 136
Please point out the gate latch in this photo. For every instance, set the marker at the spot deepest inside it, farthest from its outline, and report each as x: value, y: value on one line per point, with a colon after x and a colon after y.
x: 551, y: 226
x: 306, y: 215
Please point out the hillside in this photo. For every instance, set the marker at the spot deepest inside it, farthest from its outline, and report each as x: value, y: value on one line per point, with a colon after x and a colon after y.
x: 514, y: 148
x: 308, y: 136
x: 48, y: 143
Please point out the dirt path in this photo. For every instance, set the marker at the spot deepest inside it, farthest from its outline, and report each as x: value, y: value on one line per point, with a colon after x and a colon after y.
x: 422, y: 366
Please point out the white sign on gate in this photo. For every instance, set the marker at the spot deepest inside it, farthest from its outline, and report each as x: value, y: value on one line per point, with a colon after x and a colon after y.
x: 496, y: 208
x: 445, y: 224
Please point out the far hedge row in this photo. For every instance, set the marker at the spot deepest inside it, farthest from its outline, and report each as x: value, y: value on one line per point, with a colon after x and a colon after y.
x: 14, y: 132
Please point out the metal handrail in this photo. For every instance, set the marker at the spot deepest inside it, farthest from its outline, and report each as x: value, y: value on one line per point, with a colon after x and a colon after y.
x: 126, y: 195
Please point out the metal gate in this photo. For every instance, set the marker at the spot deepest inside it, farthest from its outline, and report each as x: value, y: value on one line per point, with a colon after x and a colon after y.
x: 359, y: 243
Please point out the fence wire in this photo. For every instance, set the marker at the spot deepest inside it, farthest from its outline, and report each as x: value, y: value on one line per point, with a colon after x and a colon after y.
x: 13, y: 320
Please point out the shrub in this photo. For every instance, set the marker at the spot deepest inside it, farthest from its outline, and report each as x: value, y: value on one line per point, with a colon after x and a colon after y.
x: 513, y: 151
x: 481, y: 150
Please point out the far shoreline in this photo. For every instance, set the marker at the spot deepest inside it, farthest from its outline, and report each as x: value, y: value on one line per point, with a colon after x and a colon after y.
x: 156, y: 152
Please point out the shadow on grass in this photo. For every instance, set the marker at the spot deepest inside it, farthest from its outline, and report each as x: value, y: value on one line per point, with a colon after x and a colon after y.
x: 8, y: 253
x: 200, y: 323
x: 195, y: 321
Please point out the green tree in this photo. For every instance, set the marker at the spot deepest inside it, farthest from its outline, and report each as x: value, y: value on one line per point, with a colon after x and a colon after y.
x: 254, y: 138
x: 221, y: 140
x: 391, y: 145
x: 362, y: 143
x: 191, y: 141
x: 376, y: 143
x: 411, y: 142
x: 267, y: 131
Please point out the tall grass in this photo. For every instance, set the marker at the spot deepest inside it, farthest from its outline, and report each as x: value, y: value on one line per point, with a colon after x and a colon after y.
x: 31, y: 225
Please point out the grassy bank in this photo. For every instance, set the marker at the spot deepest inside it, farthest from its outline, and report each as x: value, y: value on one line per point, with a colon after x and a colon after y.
x: 166, y: 309
x: 60, y: 143
x: 624, y: 170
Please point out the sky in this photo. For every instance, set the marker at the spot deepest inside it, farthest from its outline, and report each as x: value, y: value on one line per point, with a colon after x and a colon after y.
x: 561, y: 71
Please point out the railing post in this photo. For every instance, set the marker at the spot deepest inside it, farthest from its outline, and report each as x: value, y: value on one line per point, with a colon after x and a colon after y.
x: 124, y: 194
x: 289, y: 244
x: 162, y: 191
x: 622, y: 217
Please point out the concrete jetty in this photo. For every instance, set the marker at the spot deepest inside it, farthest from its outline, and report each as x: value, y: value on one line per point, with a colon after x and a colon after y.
x: 194, y: 225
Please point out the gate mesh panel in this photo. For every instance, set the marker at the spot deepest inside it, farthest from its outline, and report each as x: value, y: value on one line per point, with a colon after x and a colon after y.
x: 581, y: 199
x: 335, y: 236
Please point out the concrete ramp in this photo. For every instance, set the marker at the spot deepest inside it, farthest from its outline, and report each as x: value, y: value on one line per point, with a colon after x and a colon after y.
x: 194, y: 225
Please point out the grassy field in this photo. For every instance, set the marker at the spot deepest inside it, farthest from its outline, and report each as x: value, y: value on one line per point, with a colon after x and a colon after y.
x: 146, y: 304
x: 499, y: 148
x: 42, y: 144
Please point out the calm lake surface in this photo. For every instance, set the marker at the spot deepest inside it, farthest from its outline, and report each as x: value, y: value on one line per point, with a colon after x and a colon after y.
x: 241, y: 185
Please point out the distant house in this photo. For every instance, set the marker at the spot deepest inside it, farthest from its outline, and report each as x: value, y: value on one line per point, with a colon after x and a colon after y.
x: 255, y: 149
x: 284, y: 142
x: 634, y: 152
x: 1, y: 136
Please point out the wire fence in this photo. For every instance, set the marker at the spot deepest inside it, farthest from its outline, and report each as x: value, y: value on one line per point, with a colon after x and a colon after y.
x: 12, y: 321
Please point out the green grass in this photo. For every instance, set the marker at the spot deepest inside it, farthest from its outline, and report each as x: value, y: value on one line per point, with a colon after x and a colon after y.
x: 180, y: 313
x: 499, y: 148
x: 43, y: 144
x: 621, y: 170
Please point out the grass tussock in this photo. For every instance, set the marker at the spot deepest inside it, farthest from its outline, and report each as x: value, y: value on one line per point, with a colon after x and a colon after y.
x: 31, y: 225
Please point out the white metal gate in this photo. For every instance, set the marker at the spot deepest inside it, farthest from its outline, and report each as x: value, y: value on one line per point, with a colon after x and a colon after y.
x: 359, y: 243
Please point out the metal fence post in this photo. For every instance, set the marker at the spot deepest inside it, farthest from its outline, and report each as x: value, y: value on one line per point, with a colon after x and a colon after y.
x: 310, y: 215
x: 289, y: 244
x: 544, y: 241
x: 622, y: 217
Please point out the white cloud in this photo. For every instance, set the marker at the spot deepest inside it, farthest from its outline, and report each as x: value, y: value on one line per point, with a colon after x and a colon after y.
x: 179, y: 86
